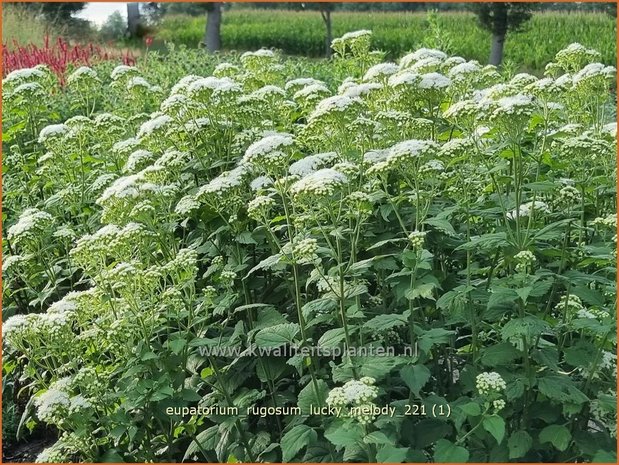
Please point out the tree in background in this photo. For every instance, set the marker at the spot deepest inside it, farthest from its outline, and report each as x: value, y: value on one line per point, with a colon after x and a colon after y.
x: 499, y: 18
x: 212, y: 32
x: 56, y: 12
x: 325, y: 9
x: 325, y: 12
x: 114, y: 28
x: 133, y: 19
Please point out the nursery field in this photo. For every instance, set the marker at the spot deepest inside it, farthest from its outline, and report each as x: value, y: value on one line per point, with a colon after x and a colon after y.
x: 258, y: 258
x: 302, y: 33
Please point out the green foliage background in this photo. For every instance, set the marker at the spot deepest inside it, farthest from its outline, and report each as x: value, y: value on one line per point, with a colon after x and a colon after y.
x: 302, y: 33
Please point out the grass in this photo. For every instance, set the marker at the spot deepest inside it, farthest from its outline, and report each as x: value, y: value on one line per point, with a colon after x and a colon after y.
x: 23, y: 27
x: 302, y: 33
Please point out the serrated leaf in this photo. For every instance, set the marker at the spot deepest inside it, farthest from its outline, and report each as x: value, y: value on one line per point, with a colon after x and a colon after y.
x: 529, y: 326
x: 415, y: 377
x: 495, y: 425
x: 386, y: 322
x: 447, y: 452
x: 499, y: 354
x: 267, y: 263
x: 441, y: 224
x: 558, y: 435
x: 312, y: 395
x: 206, y: 440
x: 296, y: 439
x: 332, y: 338
x: 561, y: 388
x: 277, y: 336
x: 391, y: 454
x: 423, y: 290
x: 472, y: 409
x: 343, y: 435
x: 519, y: 444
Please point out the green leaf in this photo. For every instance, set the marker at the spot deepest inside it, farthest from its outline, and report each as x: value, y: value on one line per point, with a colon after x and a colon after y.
x: 296, y: 439
x: 472, y: 409
x: 206, y: 440
x: 332, y: 338
x: 343, y: 435
x: 421, y: 290
x: 558, y: 435
x: 502, y: 298
x: 447, y: 452
x: 561, y: 389
x: 432, y: 337
x: 519, y: 444
x: 415, y: 377
x: 245, y: 238
x: 588, y: 295
x: 443, y: 225
x: 529, y: 326
x: 267, y: 263
x: 499, y: 354
x: 495, y: 425
x: 177, y: 345
x: 111, y: 456
x: 604, y: 456
x: 486, y: 242
x: 377, y: 437
x: 312, y: 395
x: 391, y: 454
x: 386, y: 322
x: 277, y: 336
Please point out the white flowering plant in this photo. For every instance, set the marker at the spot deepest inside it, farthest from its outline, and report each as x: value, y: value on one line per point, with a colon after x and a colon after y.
x: 160, y: 255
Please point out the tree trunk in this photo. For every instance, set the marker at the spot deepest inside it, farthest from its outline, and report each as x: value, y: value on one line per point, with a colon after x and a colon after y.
x: 496, y: 52
x: 499, y: 32
x: 212, y: 34
x: 326, y: 16
x: 133, y: 18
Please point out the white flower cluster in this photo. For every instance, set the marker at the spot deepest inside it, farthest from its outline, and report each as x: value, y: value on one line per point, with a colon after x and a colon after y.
x: 417, y: 239
x: 123, y: 71
x: 311, y: 163
x: 592, y: 313
x: 569, y: 195
x: 270, y: 151
x: 304, y: 251
x: 489, y: 383
x: 527, y: 209
x: 12, y: 263
x: 312, y: 93
x: 156, y: 124
x: 356, y: 394
x: 421, y: 54
x: 259, y: 207
x: 336, y: 105
x: 321, y: 183
x: 569, y: 303
x: 227, y: 277
x: 138, y: 160
x: 16, y: 327
x: 223, y: 183
x: 83, y: 76
x: 299, y: 83
x: 524, y: 260
x: 23, y: 76
x: 52, y: 405
x: 32, y: 222
x: 53, y: 133
x: 609, y: 221
x: 381, y: 71
x: 405, y: 155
